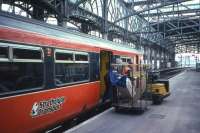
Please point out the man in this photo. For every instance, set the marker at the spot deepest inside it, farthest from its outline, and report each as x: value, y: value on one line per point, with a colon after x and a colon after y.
x: 111, y: 79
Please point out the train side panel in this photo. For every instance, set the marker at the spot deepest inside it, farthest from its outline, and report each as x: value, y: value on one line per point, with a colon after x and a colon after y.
x: 41, y: 109
x: 18, y: 114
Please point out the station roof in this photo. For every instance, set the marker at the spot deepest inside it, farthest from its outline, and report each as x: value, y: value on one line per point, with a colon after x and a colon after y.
x: 171, y: 24
x: 177, y: 20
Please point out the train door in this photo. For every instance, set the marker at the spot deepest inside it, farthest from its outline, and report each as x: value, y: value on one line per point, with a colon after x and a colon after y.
x: 105, y: 61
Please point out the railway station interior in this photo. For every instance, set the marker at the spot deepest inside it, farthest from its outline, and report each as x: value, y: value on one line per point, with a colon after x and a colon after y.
x: 100, y: 66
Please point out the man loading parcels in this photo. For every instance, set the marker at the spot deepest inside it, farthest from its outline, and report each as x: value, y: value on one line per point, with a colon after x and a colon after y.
x: 116, y: 80
x: 111, y: 79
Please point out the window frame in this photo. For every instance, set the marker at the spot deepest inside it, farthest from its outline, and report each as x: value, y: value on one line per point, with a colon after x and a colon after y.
x: 126, y: 58
x: 10, y: 59
x: 70, y: 62
x: 5, y: 59
x: 27, y: 48
x: 63, y: 51
x: 81, y: 53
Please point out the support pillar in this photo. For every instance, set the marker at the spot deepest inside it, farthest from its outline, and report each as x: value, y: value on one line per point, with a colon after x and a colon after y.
x: 38, y: 13
x: 165, y: 59
x: 158, y: 58
x: 172, y: 59
x: 151, y: 57
x: 162, y: 65
x: 1, y: 2
x: 84, y: 28
x: 155, y: 58
x: 105, y: 21
x: 148, y: 55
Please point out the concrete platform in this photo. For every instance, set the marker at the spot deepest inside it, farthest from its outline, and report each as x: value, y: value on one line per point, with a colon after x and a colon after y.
x: 179, y: 113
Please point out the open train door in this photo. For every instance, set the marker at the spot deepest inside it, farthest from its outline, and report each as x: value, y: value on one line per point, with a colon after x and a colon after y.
x: 105, y: 62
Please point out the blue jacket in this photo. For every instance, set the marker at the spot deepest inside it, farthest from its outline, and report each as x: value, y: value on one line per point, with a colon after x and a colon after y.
x: 116, y: 79
x: 113, y: 77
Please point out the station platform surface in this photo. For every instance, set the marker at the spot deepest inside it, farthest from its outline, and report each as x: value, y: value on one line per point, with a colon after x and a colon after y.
x: 179, y: 113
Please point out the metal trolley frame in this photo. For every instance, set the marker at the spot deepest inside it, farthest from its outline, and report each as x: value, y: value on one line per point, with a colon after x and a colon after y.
x: 132, y: 104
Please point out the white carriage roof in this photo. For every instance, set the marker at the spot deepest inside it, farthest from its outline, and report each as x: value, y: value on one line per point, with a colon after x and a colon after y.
x: 64, y: 34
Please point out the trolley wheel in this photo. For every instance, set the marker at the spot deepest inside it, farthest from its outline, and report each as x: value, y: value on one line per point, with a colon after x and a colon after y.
x: 157, y: 99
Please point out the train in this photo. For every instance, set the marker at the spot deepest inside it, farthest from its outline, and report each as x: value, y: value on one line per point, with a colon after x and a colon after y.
x: 50, y: 74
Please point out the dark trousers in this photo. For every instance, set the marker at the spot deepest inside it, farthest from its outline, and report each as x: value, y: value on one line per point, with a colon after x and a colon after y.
x: 111, y: 94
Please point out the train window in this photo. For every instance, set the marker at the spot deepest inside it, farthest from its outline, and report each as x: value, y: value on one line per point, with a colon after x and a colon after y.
x: 26, y: 54
x: 129, y: 60
x: 4, y: 53
x: 64, y: 56
x: 72, y: 72
x: 126, y: 59
x: 22, y: 75
x: 123, y: 59
x: 81, y: 57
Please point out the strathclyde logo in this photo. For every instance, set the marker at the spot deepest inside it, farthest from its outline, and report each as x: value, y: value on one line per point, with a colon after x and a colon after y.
x: 34, y: 111
x: 47, y: 106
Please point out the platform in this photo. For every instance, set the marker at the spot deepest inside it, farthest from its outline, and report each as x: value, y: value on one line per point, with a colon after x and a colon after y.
x: 179, y: 113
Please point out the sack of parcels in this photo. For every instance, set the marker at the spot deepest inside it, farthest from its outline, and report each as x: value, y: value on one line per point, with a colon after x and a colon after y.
x: 126, y: 87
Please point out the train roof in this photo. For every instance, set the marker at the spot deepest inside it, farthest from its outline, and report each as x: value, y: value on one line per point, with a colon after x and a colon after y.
x: 30, y: 25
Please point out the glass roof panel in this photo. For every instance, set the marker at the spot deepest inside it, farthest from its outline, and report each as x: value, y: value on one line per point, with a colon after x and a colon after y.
x: 190, y: 9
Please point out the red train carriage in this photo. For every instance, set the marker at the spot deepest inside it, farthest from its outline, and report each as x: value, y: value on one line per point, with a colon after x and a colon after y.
x: 49, y: 74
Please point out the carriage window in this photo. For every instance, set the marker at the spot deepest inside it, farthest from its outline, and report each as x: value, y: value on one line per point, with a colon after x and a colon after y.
x: 123, y: 59
x: 26, y: 54
x: 81, y: 57
x: 3, y: 52
x: 73, y: 72
x: 23, y: 75
x: 129, y: 60
x: 126, y: 59
x: 64, y: 56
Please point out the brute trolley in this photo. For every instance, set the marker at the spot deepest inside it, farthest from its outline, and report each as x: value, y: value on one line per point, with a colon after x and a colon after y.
x: 128, y: 93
